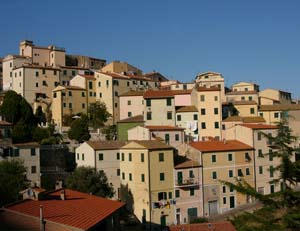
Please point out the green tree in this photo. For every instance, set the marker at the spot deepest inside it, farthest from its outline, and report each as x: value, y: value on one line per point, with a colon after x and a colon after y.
x: 110, y: 132
x: 12, y: 180
x: 98, y: 114
x: 87, y: 180
x: 281, y: 210
x: 79, y: 129
x: 21, y: 132
x: 40, y: 116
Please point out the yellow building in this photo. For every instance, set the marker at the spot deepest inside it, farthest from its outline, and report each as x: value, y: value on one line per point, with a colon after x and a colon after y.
x: 244, y: 87
x: 68, y: 100
x: 246, y: 108
x: 121, y: 68
x: 223, y: 160
x: 147, y: 168
x: 271, y: 96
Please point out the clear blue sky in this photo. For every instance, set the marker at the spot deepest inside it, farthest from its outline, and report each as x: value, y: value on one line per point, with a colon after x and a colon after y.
x: 257, y: 40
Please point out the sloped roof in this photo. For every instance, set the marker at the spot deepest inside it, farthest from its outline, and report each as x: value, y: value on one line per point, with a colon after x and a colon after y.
x: 220, y: 146
x: 92, y: 77
x: 164, y: 128
x: 133, y: 93
x: 241, y: 93
x: 191, y: 108
x: 188, y: 163
x: 246, y: 119
x: 157, y: 94
x: 244, y: 102
x: 259, y: 126
x: 79, y: 210
x: 149, y: 144
x: 134, y: 119
x: 214, y: 226
x: 106, y: 145
x: 279, y: 107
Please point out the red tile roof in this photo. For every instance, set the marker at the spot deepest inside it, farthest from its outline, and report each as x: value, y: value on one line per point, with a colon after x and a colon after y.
x: 157, y: 94
x: 92, y: 77
x: 164, y: 128
x: 220, y: 146
x: 215, y: 226
x: 106, y: 144
x: 134, y: 119
x: 259, y: 126
x: 79, y: 210
x: 187, y: 164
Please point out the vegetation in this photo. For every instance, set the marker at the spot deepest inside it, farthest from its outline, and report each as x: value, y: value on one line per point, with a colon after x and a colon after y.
x: 127, y: 197
x: 281, y: 210
x: 79, y: 129
x: 47, y: 135
x: 110, y: 132
x: 98, y: 115
x: 40, y: 116
x: 87, y: 180
x: 199, y: 220
x: 12, y: 180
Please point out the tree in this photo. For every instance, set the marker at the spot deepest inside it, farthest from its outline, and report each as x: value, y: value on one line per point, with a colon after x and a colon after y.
x: 98, y: 114
x: 87, y: 180
x: 281, y: 210
x: 40, y: 116
x: 79, y: 129
x: 110, y: 132
x: 21, y: 132
x: 46, y: 135
x: 12, y: 180
x: 127, y: 197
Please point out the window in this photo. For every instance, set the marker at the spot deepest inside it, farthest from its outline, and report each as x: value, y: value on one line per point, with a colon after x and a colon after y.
x: 70, y: 93
x: 229, y: 157
x: 243, y: 98
x: 36, y: 73
x: 64, y: 104
x: 202, y: 111
x: 148, y: 102
x: 213, y: 158
x: 100, y: 156
x: 32, y: 151
x: 230, y: 173
x: 91, y: 93
x: 214, y: 175
x: 240, y: 172
x: 54, y: 72
x: 224, y: 200
x: 169, y: 115
x: 169, y: 101
x: 161, y: 157
x: 203, y: 125
x: 77, y: 156
x: 192, y: 191
x: 129, y: 114
x: 247, y: 171
x: 142, y: 157
x: 162, y: 196
x: 261, y: 114
x: 129, y: 157
x: 270, y: 155
x: 83, y: 105
x: 90, y: 85
x: 20, y: 73
x: 176, y: 137
x: 73, y: 73
x: 128, y: 83
x: 224, y: 189
x: 177, y: 193
x: 216, y: 98
x: 161, y: 176
x: 276, y: 115
x: 118, y: 156
x: 107, y: 83
x: 272, y: 188
x: 231, y: 189
x: 149, y: 115
x: 178, y: 117
x: 247, y: 157
x: 170, y: 195
x: 260, y: 170
x: 116, y: 93
x: 123, y: 156
x: 167, y: 138
x: 260, y: 154
x: 44, y: 83
x: 216, y: 124
x: 191, y: 174
x: 70, y: 105
x: 130, y: 177
x: 271, y: 171
x: 216, y: 111
x: 65, y: 72
x: 123, y: 175
x: 118, y: 172
x: 33, y: 169
x: 202, y: 98
x: 100, y: 95
x: 82, y: 156
x: 246, y: 89
x: 116, y: 104
x: 129, y: 102
x: 143, y: 177
x: 252, y: 110
x: 259, y: 136
x: 250, y: 98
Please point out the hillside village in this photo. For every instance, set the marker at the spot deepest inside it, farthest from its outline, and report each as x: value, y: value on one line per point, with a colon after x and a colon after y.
x: 171, y: 143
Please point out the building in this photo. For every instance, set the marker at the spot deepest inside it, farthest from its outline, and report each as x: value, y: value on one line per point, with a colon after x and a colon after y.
x: 147, y: 169
x: 103, y: 156
x: 68, y: 101
x: 188, y: 190
x: 62, y: 209
x: 238, y: 96
x: 244, y: 87
x: 156, y: 76
x: 131, y: 104
x: 85, y: 62
x: 5, y: 130
x: 223, y: 160
x: 123, y: 126
x: 246, y: 108
x: 187, y: 118
x: 121, y: 68
x: 29, y: 153
x: 271, y: 96
x: 207, y: 100
x: 252, y: 134
x: 213, y: 226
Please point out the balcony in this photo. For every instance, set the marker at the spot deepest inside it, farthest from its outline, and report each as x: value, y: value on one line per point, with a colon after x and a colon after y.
x: 189, y: 182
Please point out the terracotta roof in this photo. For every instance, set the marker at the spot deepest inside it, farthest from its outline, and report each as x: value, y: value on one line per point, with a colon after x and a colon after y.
x: 74, y: 67
x: 244, y: 102
x: 246, y: 119
x: 157, y: 94
x: 279, y: 107
x: 215, y: 226
x: 164, y: 128
x: 149, y: 144
x: 106, y: 145
x: 34, y: 66
x: 208, y: 88
x: 187, y: 164
x: 241, y: 93
x: 220, y: 146
x: 25, y: 145
x: 127, y: 76
x: 5, y: 123
x: 79, y: 210
x: 138, y: 118
x: 88, y: 76
x: 191, y: 108
x: 259, y: 126
x: 133, y: 93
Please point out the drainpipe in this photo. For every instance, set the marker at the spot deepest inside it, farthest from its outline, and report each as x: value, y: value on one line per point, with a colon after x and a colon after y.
x: 42, y: 222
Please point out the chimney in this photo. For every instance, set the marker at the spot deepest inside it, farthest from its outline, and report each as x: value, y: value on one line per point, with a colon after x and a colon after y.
x: 42, y: 222
x: 63, y: 195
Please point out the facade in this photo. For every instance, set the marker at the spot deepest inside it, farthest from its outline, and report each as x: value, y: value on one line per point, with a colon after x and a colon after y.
x: 224, y: 160
x: 121, y: 68
x: 85, y: 62
x: 274, y: 96
x: 244, y: 87
x: 246, y: 108
x: 131, y: 104
x: 147, y: 169
x: 207, y: 100
x: 187, y: 118
x: 123, y: 126
x: 241, y: 96
x: 103, y: 156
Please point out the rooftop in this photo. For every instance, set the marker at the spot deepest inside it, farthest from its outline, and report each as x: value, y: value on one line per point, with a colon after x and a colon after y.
x: 220, y: 146
x: 133, y: 93
x: 134, y: 119
x: 246, y: 119
x: 280, y: 107
x: 191, y: 108
x: 244, y: 102
x: 259, y: 126
x: 106, y: 145
x: 215, y: 226
x: 241, y: 93
x: 164, y: 128
x: 26, y: 145
x: 187, y: 163
x: 92, y: 77
x: 79, y: 210
x: 157, y: 94
x: 147, y: 144
x: 199, y: 88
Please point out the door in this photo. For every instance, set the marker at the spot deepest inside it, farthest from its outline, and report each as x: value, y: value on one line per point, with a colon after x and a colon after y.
x: 179, y: 178
x: 163, y: 221
x: 192, y: 214
x: 213, y: 207
x: 232, y: 202
x: 178, y: 218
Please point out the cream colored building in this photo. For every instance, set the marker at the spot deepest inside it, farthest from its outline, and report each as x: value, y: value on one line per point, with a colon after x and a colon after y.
x: 121, y: 68
x: 224, y: 160
x: 242, y: 96
x: 147, y: 169
x: 273, y: 96
x: 212, y: 79
x: 244, y: 87
x: 103, y: 156
x: 187, y: 118
x: 208, y: 102
x: 246, y: 108
x: 68, y: 100
x: 131, y: 104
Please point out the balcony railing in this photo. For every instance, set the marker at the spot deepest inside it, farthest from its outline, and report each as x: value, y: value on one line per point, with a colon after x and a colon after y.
x: 189, y: 182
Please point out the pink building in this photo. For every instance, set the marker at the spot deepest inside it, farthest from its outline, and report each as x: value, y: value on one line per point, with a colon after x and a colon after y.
x: 131, y: 104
